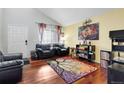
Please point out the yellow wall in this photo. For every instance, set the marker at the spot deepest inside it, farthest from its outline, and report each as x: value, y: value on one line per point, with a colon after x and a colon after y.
x: 113, y: 20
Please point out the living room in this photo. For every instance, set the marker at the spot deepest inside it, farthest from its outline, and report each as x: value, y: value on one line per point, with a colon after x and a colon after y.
x: 42, y: 46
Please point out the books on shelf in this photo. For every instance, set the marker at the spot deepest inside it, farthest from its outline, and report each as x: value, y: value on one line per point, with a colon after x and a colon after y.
x: 83, y: 56
x: 86, y: 52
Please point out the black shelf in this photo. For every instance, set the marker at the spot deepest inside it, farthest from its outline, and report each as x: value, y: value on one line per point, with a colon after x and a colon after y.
x: 117, y: 66
x: 118, y: 39
x: 116, y: 69
x: 118, y: 48
x: 118, y: 60
x: 115, y: 34
x: 86, y: 52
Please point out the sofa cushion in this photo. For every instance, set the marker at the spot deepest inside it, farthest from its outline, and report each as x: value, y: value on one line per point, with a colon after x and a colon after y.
x: 44, y: 46
x: 58, y: 45
x: 12, y: 56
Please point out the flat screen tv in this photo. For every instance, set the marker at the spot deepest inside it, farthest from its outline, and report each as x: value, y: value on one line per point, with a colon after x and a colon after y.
x: 89, y: 32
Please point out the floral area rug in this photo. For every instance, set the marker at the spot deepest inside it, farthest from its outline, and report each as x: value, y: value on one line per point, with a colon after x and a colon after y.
x: 71, y: 70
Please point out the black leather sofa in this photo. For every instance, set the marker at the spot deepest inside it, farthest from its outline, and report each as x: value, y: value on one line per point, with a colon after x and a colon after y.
x: 44, y: 51
x: 10, y: 68
x: 60, y: 49
x: 48, y: 50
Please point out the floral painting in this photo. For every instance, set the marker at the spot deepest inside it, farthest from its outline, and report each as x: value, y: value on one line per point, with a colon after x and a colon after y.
x: 89, y: 32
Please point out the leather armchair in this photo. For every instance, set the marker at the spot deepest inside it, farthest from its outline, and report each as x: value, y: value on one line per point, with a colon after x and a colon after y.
x: 44, y: 51
x: 10, y: 68
x: 11, y: 71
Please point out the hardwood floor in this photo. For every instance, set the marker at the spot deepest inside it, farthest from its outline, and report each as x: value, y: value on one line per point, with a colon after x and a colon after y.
x: 39, y: 72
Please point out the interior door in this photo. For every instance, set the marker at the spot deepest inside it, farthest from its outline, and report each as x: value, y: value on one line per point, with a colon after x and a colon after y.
x: 18, y: 39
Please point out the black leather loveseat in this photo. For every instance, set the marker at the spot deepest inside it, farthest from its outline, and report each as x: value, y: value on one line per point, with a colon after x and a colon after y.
x: 50, y: 50
x: 10, y: 68
x: 44, y: 51
x: 60, y: 50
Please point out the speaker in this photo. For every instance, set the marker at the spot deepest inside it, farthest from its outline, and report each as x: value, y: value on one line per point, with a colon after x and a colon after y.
x: 116, y: 34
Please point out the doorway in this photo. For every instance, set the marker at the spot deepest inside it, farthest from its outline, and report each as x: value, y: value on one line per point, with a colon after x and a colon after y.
x: 18, y: 39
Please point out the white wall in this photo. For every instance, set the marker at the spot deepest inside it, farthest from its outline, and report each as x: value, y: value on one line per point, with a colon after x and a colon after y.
x: 27, y: 17
x: 1, y: 29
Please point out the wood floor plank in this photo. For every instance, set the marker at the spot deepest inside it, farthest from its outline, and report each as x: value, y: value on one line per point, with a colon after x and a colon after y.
x: 39, y: 72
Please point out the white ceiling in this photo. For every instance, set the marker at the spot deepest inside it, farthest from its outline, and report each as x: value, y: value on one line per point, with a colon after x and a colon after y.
x: 67, y: 16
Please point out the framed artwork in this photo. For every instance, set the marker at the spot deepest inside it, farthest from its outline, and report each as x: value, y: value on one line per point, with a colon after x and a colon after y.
x: 89, y: 32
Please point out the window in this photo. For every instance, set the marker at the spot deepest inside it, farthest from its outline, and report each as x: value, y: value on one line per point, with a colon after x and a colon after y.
x: 49, y: 35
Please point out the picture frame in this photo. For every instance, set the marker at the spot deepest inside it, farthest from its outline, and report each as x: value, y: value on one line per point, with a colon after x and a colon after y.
x: 89, y: 32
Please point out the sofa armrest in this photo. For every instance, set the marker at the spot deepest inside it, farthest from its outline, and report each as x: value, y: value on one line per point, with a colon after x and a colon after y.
x: 12, y: 56
x: 39, y: 50
x: 58, y: 48
x: 68, y: 48
x: 6, y: 65
x: 11, y: 71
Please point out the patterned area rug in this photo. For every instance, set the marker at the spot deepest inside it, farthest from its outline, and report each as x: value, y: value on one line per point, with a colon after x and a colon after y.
x: 71, y: 70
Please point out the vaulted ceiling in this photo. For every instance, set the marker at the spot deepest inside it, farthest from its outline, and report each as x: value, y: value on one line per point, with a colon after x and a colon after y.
x: 67, y: 16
